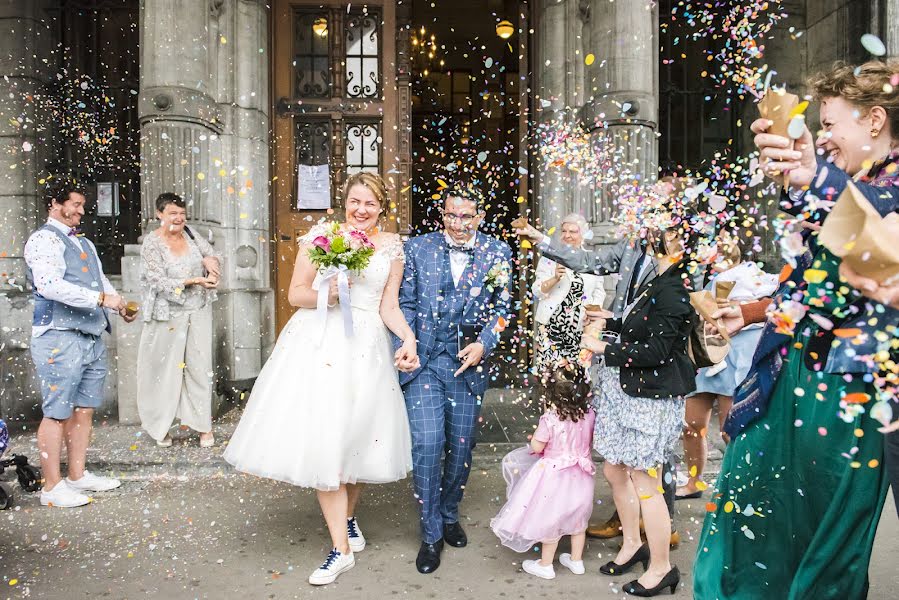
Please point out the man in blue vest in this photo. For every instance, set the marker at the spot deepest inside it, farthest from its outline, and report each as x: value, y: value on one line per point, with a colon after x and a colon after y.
x: 71, y: 298
x: 455, y: 296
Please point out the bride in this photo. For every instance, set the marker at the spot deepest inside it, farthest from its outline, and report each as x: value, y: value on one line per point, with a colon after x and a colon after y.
x: 330, y: 414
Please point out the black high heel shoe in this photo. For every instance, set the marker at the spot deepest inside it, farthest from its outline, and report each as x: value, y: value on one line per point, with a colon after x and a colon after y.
x: 640, y: 556
x: 670, y: 580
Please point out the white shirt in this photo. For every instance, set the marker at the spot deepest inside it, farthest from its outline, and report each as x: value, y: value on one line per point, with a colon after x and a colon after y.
x: 45, y: 256
x: 459, y: 260
x: 594, y: 292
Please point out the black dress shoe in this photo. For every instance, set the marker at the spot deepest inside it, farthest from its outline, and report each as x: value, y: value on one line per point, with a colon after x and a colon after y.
x: 429, y: 557
x: 640, y: 556
x: 670, y: 580
x: 455, y: 535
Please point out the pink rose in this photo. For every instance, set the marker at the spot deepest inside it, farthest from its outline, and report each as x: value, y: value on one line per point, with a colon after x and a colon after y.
x: 359, y: 240
x: 322, y: 242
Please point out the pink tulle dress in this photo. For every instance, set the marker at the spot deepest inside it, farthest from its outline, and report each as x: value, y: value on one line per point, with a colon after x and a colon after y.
x: 550, y: 494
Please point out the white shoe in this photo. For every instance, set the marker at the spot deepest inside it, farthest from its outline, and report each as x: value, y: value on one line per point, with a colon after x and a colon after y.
x: 357, y: 540
x: 334, y: 565
x: 165, y: 442
x: 575, y: 566
x: 535, y: 568
x: 93, y: 483
x: 62, y: 496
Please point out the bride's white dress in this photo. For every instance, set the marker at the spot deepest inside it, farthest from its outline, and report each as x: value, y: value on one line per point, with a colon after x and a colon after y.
x: 327, y: 410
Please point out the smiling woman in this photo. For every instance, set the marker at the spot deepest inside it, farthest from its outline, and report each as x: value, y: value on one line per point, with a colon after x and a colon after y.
x: 802, y: 456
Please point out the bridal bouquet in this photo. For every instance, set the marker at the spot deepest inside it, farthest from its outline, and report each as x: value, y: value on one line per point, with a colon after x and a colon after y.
x: 333, y: 253
x: 333, y: 248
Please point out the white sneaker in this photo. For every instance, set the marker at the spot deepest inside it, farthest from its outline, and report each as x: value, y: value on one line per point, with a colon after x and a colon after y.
x: 93, y: 483
x: 334, y: 565
x: 62, y: 496
x: 357, y: 540
x: 535, y: 568
x: 575, y: 566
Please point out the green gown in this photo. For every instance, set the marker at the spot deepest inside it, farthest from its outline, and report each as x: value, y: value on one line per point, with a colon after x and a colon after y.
x: 800, y: 493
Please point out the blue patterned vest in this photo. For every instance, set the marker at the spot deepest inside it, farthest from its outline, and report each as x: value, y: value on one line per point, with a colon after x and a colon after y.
x: 83, y: 270
x: 451, y: 308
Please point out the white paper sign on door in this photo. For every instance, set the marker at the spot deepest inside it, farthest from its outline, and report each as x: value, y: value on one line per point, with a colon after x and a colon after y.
x: 313, y: 187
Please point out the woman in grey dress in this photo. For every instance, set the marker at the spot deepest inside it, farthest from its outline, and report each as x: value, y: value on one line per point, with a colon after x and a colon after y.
x: 179, y: 273
x: 639, y: 398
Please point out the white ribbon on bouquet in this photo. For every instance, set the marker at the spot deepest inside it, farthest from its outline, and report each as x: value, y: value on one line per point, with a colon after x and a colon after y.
x: 322, y: 284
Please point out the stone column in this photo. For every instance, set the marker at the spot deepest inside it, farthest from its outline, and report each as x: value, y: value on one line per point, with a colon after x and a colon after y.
x: 622, y: 85
x: 203, y: 109
x: 25, y: 51
x: 560, y: 77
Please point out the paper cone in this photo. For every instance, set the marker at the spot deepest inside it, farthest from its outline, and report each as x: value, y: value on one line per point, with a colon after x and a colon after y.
x: 706, y: 305
x: 519, y: 223
x: 723, y: 289
x: 776, y: 106
x: 857, y: 233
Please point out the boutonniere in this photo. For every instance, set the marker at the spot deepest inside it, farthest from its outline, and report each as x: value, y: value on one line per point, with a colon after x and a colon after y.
x: 497, y: 276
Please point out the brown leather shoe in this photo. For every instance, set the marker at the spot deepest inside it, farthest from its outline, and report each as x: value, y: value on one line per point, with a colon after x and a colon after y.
x: 675, y: 540
x: 608, y: 530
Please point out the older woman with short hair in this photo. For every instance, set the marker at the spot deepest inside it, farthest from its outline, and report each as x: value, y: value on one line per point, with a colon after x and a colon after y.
x: 562, y: 296
x: 179, y: 272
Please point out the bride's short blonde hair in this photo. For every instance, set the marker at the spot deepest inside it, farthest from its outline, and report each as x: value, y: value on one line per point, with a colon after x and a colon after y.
x: 372, y: 181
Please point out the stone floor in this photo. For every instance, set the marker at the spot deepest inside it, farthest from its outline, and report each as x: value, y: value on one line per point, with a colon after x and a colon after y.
x: 184, y: 525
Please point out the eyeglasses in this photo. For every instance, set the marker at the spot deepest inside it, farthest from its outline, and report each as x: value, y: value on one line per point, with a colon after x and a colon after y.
x: 463, y: 219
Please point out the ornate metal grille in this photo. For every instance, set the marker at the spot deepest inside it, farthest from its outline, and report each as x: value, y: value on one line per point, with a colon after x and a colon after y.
x: 311, y: 54
x: 312, y: 140
x: 363, y: 50
x: 363, y: 146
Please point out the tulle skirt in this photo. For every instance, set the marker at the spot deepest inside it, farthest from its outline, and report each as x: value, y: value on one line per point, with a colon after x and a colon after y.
x: 546, y: 499
x: 326, y: 410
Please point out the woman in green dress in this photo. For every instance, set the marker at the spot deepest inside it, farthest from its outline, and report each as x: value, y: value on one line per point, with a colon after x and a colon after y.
x: 802, y: 484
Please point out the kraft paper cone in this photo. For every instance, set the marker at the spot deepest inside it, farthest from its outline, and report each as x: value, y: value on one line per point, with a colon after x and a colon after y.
x: 857, y: 233
x: 706, y: 305
x: 519, y: 223
x: 777, y: 106
x: 723, y: 289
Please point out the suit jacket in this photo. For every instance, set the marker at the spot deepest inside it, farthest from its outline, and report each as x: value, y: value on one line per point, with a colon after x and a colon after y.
x: 620, y: 258
x: 651, y: 352
x: 420, y: 291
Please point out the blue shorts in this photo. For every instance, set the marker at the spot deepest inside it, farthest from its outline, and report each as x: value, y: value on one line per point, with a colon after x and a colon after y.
x: 71, y: 367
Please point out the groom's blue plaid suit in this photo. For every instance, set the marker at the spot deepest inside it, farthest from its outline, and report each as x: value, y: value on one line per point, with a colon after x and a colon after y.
x: 443, y: 409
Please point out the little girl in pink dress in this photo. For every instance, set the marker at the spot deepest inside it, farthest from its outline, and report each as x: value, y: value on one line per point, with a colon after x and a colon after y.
x: 550, y: 482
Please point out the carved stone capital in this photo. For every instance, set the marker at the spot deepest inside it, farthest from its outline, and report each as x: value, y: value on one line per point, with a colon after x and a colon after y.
x: 171, y: 103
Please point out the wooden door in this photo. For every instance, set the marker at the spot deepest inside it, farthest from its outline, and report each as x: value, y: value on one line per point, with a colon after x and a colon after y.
x: 335, y: 102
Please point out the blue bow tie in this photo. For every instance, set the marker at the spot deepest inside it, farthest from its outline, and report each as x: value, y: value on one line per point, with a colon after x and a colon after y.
x: 73, y: 232
x: 469, y: 250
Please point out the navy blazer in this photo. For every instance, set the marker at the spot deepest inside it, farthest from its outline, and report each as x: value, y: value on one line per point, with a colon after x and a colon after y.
x: 420, y: 290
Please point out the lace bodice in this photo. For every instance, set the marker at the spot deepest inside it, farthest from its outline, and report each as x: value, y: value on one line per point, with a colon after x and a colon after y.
x: 367, y: 287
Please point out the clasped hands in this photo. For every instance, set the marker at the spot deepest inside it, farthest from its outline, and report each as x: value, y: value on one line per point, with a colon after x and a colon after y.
x: 406, y: 357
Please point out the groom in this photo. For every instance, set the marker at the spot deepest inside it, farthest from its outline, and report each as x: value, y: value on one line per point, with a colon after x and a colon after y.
x: 455, y: 297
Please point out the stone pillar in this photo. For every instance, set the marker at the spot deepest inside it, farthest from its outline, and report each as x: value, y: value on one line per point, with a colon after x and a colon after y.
x: 25, y: 50
x: 203, y: 110
x: 560, y: 77
x: 622, y: 85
